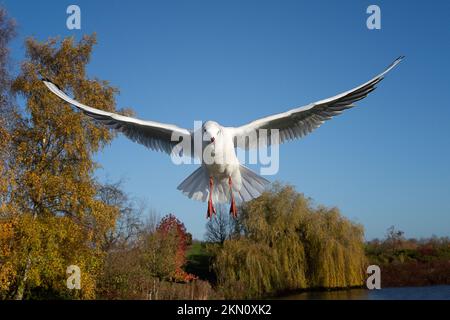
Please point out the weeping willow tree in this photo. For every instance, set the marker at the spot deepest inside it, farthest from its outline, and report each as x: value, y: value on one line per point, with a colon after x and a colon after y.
x: 335, y: 249
x: 284, y: 243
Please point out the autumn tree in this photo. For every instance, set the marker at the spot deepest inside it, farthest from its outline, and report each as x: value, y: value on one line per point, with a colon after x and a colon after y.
x: 283, y: 242
x: 7, y: 111
x: 8, y: 118
x: 172, y: 229
x: 59, y: 221
x: 150, y: 267
x: 129, y: 220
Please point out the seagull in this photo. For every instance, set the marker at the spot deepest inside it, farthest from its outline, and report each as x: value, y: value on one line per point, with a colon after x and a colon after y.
x: 222, y: 178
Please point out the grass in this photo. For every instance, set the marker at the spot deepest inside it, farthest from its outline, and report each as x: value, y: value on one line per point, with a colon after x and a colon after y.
x: 198, y: 262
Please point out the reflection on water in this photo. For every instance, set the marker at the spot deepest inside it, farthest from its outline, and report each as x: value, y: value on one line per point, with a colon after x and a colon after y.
x: 404, y: 293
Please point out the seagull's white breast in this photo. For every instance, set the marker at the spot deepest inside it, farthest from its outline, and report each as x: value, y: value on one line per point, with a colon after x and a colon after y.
x: 225, y: 162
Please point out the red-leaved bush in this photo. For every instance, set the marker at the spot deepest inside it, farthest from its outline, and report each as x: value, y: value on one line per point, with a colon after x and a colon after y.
x: 171, y: 225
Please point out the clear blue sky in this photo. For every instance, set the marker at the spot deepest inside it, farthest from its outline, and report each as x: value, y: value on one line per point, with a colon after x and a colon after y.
x: 384, y: 163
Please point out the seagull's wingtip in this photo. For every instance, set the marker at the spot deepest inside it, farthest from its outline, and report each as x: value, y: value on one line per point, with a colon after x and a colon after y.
x: 47, y: 81
x: 393, y: 65
x: 400, y: 59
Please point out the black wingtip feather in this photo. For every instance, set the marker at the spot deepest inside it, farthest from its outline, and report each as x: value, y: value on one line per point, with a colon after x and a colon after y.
x: 52, y: 82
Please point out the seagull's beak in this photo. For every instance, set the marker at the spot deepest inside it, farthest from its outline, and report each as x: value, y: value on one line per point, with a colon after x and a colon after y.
x: 213, y: 139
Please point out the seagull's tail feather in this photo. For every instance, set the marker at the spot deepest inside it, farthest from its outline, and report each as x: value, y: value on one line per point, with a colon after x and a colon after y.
x: 252, y: 185
x: 196, y: 186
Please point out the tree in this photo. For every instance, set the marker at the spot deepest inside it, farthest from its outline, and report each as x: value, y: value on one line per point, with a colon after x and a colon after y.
x: 147, y: 268
x: 7, y: 32
x: 282, y: 243
x: 394, y: 238
x: 59, y: 220
x: 220, y: 227
x: 8, y: 117
x: 171, y: 229
x: 128, y: 222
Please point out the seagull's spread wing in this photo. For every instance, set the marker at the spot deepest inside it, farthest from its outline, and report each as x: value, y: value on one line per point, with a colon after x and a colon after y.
x: 298, y: 122
x: 154, y: 135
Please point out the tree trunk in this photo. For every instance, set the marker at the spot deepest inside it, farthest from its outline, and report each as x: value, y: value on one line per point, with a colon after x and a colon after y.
x: 23, y: 282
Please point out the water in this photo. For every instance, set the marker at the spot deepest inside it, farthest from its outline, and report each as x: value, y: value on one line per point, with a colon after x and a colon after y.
x: 441, y: 292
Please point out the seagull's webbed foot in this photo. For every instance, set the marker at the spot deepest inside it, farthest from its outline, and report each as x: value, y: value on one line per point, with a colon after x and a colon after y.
x: 233, y: 208
x: 211, y: 209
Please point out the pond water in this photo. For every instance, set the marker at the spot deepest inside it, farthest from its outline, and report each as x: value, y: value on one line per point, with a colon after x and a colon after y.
x: 441, y: 292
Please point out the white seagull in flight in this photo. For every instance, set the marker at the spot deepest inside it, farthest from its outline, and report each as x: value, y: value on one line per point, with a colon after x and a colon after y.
x: 219, y: 180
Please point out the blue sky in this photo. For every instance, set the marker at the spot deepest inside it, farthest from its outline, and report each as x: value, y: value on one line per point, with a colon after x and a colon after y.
x: 384, y: 163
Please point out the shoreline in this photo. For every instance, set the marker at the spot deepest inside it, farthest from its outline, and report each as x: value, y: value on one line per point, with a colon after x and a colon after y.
x: 355, y: 292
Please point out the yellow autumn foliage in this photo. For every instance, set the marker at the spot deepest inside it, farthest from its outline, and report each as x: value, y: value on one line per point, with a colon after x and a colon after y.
x: 50, y: 193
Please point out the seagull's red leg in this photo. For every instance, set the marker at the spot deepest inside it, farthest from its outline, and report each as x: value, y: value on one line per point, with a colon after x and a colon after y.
x: 233, y: 209
x: 211, y: 208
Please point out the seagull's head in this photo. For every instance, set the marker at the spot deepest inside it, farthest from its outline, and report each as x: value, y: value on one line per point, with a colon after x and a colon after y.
x: 211, y: 131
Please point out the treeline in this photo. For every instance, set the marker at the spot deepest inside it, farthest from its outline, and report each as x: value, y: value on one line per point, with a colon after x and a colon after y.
x: 148, y: 263
x: 281, y: 242
x: 410, y: 262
